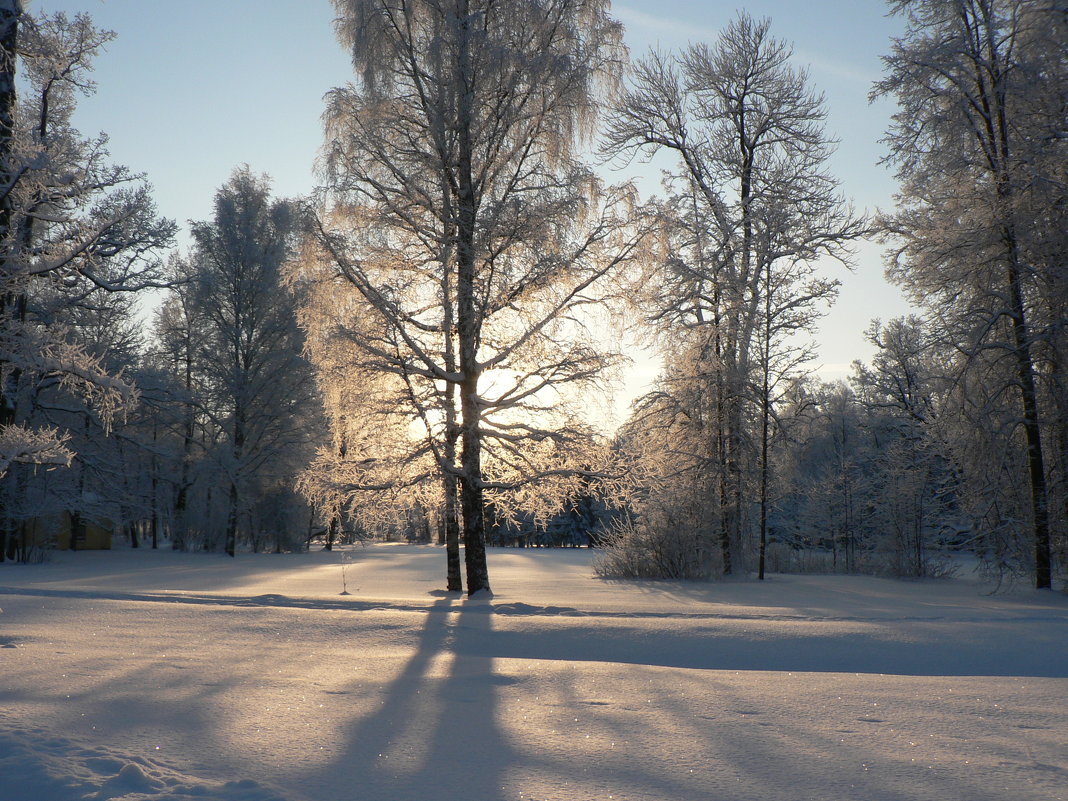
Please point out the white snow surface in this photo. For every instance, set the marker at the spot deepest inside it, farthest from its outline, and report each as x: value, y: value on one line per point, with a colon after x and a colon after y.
x: 140, y: 675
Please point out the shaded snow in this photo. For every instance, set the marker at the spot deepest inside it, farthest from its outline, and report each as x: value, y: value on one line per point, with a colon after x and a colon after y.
x: 38, y: 765
x: 152, y: 676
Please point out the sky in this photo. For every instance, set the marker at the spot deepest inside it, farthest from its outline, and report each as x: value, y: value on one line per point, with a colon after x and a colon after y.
x: 190, y: 90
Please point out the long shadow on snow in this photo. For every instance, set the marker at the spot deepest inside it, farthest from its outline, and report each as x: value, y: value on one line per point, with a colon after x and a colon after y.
x: 434, y: 728
x: 910, y: 647
x: 212, y: 599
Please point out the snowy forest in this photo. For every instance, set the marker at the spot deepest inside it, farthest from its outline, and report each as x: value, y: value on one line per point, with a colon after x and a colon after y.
x: 414, y: 352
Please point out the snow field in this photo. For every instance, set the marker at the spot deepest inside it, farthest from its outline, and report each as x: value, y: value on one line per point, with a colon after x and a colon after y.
x: 156, y: 676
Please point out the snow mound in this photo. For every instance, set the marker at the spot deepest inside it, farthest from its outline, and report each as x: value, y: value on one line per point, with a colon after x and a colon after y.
x: 37, y: 765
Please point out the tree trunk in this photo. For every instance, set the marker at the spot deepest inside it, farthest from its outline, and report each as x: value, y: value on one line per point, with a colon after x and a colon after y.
x: 724, y: 490
x: 1061, y: 411
x: 188, y: 434
x: 1032, y: 430
x: 239, y: 449
x: 331, y: 531
x: 452, y: 536
x: 451, y: 523
x: 10, y: 11
x: 765, y: 413
x: 472, y: 502
x: 231, y: 521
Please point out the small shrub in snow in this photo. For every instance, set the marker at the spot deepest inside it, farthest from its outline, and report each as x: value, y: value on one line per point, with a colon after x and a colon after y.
x: 639, y: 549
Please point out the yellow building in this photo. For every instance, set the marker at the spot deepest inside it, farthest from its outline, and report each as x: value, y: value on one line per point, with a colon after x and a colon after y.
x: 59, y: 530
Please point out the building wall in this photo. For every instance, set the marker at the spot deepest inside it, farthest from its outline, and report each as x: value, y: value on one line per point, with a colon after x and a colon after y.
x: 90, y: 535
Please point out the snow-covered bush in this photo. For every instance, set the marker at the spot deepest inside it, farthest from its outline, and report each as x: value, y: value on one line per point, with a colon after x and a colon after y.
x: 655, y: 548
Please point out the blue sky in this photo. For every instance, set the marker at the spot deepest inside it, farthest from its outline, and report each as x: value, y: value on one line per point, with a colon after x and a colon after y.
x: 191, y: 89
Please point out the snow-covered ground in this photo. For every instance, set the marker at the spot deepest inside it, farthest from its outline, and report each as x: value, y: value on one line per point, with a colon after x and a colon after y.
x: 147, y: 676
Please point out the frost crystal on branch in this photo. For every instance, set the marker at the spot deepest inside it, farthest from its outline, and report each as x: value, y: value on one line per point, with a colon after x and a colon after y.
x: 470, y: 241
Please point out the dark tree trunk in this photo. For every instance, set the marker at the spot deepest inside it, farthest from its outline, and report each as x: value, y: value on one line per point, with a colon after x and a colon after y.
x: 764, y: 414
x: 449, y: 486
x: 188, y: 435
x: 331, y: 531
x: 452, y: 537
x: 239, y: 448
x: 1032, y: 430
x: 765, y: 419
x: 472, y: 500
x: 1061, y: 410
x: 231, y: 522
x: 10, y: 12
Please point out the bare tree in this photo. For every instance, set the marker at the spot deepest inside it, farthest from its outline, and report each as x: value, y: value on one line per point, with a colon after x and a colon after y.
x: 459, y: 213
x: 753, y: 209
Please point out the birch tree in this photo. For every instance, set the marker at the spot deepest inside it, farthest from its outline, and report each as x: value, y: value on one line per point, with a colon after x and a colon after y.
x: 978, y: 141
x: 457, y: 209
x: 752, y: 210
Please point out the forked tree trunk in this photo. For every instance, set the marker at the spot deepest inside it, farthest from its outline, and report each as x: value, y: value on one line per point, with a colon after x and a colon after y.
x: 449, y: 485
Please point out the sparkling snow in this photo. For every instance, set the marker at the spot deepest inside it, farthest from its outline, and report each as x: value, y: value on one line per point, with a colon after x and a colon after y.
x: 139, y: 675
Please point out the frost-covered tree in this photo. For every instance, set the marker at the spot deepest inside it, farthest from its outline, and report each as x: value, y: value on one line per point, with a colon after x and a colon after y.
x: 979, y: 143
x: 392, y: 434
x: 254, y: 388
x: 674, y: 530
x: 99, y: 482
x: 72, y: 226
x: 864, y: 487
x: 907, y: 396
x: 457, y: 210
x: 178, y: 328
x: 752, y: 210
x: 372, y: 471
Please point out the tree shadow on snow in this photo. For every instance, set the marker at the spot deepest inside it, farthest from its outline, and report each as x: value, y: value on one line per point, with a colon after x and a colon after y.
x: 434, y: 734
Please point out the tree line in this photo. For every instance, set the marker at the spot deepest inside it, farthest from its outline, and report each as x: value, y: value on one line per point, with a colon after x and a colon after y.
x: 410, y: 351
